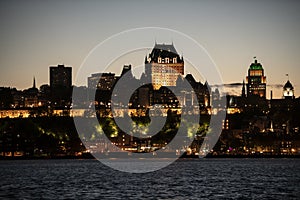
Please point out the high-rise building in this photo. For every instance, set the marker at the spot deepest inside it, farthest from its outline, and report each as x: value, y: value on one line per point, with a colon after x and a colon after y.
x: 60, y: 76
x: 61, y: 85
x: 256, y: 81
x: 164, y: 65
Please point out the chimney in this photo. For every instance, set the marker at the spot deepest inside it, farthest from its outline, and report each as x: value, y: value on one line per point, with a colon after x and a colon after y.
x: 271, y: 95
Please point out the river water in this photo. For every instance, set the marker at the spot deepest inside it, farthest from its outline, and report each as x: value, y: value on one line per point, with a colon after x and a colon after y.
x: 184, y: 179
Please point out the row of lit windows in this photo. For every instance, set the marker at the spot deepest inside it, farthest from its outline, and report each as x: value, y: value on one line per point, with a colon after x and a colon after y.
x: 255, y: 73
x: 168, y: 67
x: 256, y: 90
x: 157, y: 81
x: 258, y: 87
x: 166, y: 60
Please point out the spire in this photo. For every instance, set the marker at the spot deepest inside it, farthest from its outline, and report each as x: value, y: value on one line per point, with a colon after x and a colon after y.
x: 34, y: 86
x: 243, y: 89
x: 207, y: 86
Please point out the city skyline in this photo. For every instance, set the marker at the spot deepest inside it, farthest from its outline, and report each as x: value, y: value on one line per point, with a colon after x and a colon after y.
x: 36, y: 35
x: 234, y: 88
x: 149, y: 99
x: 251, y: 117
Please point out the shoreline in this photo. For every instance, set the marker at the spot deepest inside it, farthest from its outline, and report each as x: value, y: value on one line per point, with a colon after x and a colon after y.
x: 91, y: 157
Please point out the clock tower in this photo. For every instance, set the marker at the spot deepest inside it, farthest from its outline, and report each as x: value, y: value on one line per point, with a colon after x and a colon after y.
x: 288, y: 91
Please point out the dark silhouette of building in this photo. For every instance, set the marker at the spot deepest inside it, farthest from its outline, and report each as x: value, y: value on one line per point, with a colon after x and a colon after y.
x: 164, y: 65
x: 45, y: 95
x: 102, y: 81
x: 6, y: 97
x: 61, y: 85
x: 31, y: 96
x: 60, y: 76
x: 201, y: 91
x: 256, y: 81
x: 287, y: 102
x: 126, y: 68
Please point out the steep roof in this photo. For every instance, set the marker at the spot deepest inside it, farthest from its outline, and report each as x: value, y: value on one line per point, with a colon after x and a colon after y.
x: 164, y: 51
x: 166, y: 47
x: 288, y: 85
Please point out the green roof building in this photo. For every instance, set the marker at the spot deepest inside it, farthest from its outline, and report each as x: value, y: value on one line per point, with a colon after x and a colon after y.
x: 256, y: 80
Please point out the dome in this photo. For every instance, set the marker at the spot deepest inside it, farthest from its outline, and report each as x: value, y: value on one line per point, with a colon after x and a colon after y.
x: 256, y: 65
x: 288, y: 85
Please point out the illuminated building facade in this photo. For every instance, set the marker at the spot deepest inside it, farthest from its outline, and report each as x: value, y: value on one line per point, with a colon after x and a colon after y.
x: 256, y: 81
x: 164, y: 65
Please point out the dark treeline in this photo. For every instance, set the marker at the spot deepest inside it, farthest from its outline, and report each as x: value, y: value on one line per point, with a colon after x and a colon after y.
x: 41, y: 136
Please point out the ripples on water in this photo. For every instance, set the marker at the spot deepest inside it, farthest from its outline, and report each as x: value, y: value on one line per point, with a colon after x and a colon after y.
x: 184, y: 179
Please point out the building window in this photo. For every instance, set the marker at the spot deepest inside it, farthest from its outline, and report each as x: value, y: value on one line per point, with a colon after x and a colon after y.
x: 167, y: 60
x: 174, y: 60
x: 159, y: 60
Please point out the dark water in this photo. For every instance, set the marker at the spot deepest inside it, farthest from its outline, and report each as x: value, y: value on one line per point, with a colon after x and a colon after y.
x: 186, y: 179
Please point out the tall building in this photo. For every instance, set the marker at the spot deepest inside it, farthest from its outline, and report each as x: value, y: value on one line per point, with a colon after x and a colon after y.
x: 164, y: 65
x: 61, y: 85
x: 256, y: 81
x: 60, y: 76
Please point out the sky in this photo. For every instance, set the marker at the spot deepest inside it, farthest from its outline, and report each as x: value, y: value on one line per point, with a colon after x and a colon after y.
x: 37, y: 34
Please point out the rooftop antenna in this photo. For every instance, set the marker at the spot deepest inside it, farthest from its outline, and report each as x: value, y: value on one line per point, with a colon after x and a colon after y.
x: 254, y: 57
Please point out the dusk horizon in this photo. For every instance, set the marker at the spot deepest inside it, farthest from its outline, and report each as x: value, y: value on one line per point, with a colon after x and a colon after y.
x: 37, y: 35
x: 231, y: 88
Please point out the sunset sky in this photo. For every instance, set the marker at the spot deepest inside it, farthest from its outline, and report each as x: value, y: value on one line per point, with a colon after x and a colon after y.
x: 37, y: 34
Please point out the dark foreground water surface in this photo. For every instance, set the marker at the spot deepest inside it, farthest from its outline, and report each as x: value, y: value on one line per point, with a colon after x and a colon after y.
x: 184, y: 179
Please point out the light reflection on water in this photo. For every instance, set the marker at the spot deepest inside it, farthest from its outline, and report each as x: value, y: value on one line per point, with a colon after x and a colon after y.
x: 184, y: 179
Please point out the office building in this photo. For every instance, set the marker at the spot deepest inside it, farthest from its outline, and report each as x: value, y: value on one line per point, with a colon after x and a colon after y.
x: 256, y: 80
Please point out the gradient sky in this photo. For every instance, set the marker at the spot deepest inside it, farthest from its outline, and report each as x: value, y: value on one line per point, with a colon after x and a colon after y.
x: 37, y: 34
